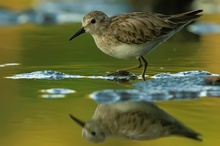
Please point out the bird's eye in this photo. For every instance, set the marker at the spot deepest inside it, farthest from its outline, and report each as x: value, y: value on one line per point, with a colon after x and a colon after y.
x: 93, y: 21
x: 93, y: 133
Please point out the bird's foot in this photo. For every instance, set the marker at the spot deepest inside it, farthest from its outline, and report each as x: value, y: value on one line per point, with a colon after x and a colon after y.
x: 122, y: 75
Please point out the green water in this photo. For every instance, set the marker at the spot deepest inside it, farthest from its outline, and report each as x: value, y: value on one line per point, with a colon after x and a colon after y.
x: 28, y: 119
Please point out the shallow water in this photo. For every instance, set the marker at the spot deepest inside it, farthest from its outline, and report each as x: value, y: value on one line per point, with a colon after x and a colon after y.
x: 31, y: 115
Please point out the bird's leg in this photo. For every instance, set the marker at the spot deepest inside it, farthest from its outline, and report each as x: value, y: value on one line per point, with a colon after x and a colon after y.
x: 145, y: 67
x: 133, y: 67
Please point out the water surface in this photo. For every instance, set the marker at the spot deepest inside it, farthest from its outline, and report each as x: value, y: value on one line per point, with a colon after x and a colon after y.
x: 27, y: 118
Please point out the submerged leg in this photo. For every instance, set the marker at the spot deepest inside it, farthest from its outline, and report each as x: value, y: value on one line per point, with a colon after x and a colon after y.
x: 145, y: 67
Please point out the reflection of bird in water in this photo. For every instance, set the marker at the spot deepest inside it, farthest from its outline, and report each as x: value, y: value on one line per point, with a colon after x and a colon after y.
x: 132, y: 120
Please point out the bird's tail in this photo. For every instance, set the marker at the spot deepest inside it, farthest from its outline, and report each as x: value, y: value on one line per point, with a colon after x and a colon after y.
x: 188, y: 133
x: 186, y: 17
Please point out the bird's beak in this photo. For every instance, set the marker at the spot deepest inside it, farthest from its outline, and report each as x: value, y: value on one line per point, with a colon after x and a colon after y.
x: 80, y: 31
x: 79, y: 122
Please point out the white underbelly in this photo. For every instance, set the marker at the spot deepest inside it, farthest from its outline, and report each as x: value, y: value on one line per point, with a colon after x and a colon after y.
x: 126, y: 51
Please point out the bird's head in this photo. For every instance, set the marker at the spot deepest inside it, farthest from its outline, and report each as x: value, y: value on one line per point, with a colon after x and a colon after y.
x: 94, y: 22
x: 92, y: 131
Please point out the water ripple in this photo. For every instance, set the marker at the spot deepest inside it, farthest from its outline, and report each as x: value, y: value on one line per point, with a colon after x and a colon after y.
x: 54, y: 75
x: 9, y: 64
x: 56, y: 92
x: 180, y: 86
x: 45, y: 74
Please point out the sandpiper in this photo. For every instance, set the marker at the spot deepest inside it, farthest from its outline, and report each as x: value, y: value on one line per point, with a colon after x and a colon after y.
x: 133, y: 34
x: 134, y: 120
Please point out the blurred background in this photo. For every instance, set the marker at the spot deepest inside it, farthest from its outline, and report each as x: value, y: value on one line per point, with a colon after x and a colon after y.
x: 63, y: 11
x: 34, y: 36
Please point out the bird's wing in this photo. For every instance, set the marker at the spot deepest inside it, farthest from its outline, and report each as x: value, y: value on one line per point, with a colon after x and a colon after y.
x: 134, y: 125
x: 138, y: 28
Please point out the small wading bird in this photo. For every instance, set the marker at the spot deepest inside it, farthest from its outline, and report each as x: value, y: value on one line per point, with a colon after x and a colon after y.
x: 133, y: 34
x: 132, y: 120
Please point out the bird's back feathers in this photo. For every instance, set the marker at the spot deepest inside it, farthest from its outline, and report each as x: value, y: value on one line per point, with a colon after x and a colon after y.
x: 139, y: 27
